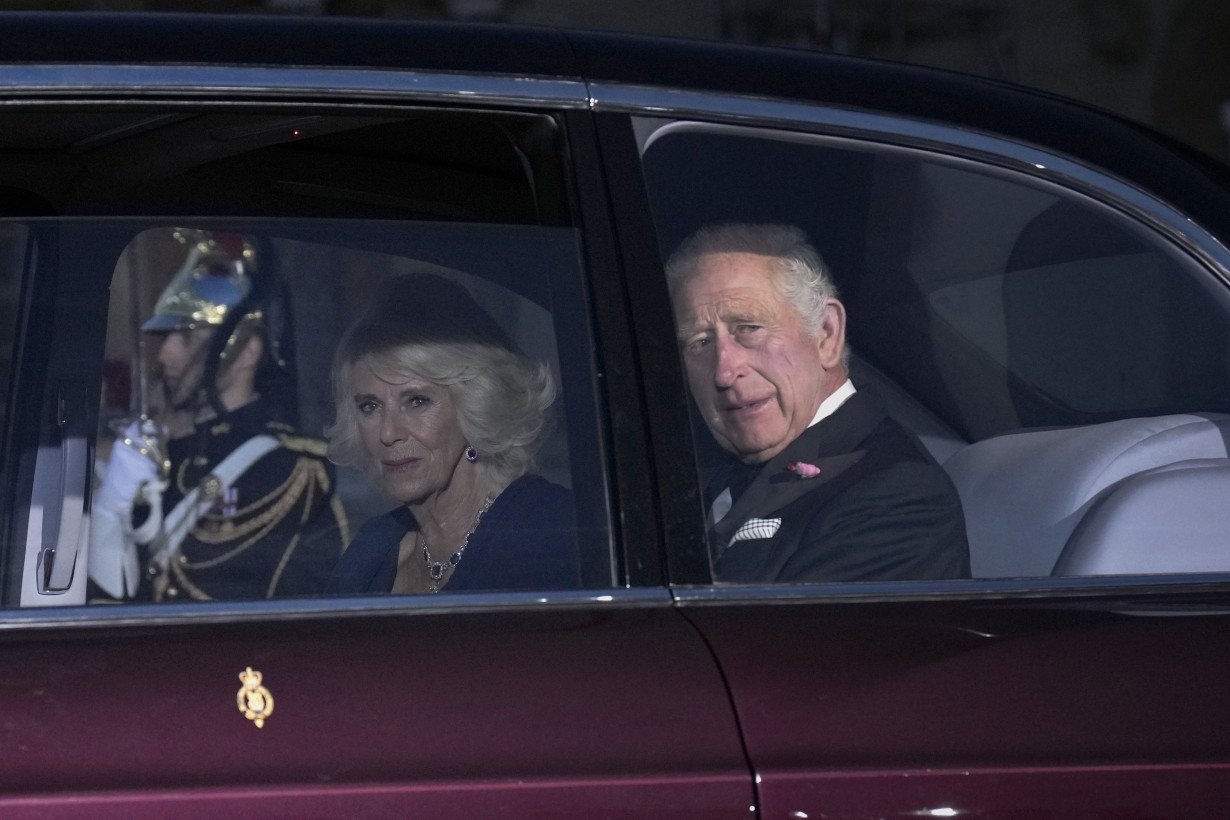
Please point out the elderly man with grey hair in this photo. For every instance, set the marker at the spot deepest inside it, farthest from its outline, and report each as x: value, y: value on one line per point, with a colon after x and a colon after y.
x: 822, y: 484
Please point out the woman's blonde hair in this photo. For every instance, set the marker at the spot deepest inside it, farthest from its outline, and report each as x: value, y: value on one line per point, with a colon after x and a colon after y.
x: 431, y: 327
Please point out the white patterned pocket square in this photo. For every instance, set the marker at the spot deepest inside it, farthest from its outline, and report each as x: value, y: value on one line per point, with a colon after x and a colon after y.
x: 755, y: 528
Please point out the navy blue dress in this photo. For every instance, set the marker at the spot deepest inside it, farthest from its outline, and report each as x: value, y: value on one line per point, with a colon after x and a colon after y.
x: 526, y: 540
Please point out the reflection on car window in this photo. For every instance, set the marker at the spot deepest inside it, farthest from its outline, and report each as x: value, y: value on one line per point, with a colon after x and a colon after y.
x: 1042, y: 286
x: 1064, y: 364
x: 240, y: 248
x: 212, y: 491
x: 231, y: 468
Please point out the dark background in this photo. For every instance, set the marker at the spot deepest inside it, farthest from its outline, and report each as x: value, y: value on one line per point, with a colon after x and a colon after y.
x: 1162, y: 62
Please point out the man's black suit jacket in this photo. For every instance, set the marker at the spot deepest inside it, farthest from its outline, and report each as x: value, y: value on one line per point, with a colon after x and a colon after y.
x: 881, y: 509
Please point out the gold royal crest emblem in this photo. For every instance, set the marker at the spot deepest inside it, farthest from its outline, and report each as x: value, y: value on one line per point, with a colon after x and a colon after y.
x: 254, y: 700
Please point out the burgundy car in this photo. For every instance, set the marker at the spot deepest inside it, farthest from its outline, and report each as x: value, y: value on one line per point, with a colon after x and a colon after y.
x: 1039, y: 291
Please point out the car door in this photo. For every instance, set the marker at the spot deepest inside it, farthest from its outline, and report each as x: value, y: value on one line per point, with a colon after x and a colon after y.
x: 598, y: 700
x: 996, y: 291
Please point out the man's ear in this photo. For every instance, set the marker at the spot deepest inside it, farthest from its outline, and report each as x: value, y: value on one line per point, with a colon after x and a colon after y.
x: 831, y: 340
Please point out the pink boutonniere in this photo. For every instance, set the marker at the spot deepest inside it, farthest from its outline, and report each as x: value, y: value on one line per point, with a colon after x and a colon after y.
x: 803, y: 470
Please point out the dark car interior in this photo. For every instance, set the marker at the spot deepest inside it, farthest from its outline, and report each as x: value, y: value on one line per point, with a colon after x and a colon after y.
x: 333, y: 203
x: 225, y: 162
x: 1066, y: 365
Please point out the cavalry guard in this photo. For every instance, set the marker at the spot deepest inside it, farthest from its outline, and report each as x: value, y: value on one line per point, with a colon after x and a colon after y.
x: 216, y: 495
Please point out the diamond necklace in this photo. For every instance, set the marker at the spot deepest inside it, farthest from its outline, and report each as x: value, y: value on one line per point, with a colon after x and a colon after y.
x: 436, y: 569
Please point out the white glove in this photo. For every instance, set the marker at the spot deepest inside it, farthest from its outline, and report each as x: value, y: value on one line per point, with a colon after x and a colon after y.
x: 127, y: 469
x: 130, y: 475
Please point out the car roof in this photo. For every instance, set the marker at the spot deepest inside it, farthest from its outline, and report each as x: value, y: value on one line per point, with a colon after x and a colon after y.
x: 1124, y: 148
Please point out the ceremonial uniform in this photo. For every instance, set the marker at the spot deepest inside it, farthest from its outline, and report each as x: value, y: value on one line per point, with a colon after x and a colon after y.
x: 278, y: 530
x: 242, y: 507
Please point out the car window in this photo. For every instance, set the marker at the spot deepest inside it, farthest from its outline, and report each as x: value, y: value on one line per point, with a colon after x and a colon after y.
x: 1062, y: 364
x: 450, y: 446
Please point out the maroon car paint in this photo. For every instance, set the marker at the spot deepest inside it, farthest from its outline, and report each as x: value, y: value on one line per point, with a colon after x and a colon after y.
x: 447, y: 713
x: 896, y: 710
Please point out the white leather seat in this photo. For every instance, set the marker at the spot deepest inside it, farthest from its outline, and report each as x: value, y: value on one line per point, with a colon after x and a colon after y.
x: 1172, y: 519
x: 1025, y: 493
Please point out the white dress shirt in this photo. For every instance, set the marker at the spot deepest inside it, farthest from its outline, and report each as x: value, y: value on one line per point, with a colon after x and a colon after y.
x: 721, y: 504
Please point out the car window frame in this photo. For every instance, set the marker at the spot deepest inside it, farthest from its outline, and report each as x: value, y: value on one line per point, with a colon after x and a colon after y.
x: 691, y: 582
x: 1171, y: 245
x: 933, y: 137
x: 245, y: 88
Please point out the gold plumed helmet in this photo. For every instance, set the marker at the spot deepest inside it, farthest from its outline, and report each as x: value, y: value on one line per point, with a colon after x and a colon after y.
x: 215, y: 279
